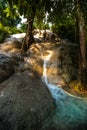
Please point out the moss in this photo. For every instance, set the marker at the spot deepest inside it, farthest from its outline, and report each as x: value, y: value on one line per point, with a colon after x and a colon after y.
x: 77, y: 86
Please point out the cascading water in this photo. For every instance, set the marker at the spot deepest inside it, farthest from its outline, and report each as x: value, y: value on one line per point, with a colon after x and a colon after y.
x: 71, y: 112
x: 56, y: 91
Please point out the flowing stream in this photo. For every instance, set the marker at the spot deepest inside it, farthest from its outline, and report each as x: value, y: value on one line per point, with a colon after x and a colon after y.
x: 70, y: 112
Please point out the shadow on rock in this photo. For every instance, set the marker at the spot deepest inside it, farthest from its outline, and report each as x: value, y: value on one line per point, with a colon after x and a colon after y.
x: 25, y: 102
x: 6, y: 67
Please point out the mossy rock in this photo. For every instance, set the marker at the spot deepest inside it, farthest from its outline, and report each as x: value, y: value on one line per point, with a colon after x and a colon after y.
x: 77, y: 86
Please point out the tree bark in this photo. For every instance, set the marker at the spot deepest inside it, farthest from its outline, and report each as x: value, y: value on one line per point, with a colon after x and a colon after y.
x: 82, y: 39
x: 82, y: 33
x: 82, y: 76
x: 77, y: 30
x: 44, y: 36
x: 29, y: 39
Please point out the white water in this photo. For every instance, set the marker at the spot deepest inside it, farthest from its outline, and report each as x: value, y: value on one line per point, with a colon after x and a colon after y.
x: 70, y: 111
x: 56, y: 91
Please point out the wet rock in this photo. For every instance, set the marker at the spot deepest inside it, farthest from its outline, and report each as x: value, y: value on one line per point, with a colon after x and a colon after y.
x: 19, y: 36
x: 10, y: 39
x: 25, y: 102
x: 40, y: 34
x: 62, y: 66
x: 71, y: 127
x: 12, y: 46
x: 31, y: 62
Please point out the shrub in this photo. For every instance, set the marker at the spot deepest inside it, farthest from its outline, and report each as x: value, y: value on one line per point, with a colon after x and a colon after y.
x: 65, y: 31
x: 5, y: 31
x: 23, y: 27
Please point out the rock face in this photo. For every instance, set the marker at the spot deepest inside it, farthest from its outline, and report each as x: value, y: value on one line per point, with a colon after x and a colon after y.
x: 11, y: 45
x: 40, y: 34
x: 62, y: 67
x: 7, y: 67
x: 24, y: 102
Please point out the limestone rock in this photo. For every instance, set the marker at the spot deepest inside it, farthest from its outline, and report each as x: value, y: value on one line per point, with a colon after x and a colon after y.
x: 6, y: 67
x: 40, y: 34
x: 25, y: 102
x: 62, y: 66
x: 12, y: 46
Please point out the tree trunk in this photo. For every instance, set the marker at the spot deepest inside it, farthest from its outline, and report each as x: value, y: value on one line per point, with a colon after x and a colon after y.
x: 82, y: 77
x: 77, y: 30
x: 44, y: 36
x: 82, y: 33
x: 29, y: 39
x: 82, y: 40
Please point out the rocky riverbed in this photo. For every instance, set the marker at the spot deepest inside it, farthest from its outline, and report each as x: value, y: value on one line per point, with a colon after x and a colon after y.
x: 31, y: 87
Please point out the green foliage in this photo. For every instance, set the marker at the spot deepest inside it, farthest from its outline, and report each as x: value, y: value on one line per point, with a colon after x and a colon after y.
x: 6, y: 31
x: 61, y: 17
x: 13, y: 30
x: 23, y: 27
x: 41, y: 26
x: 65, y: 31
x: 9, y: 18
x: 32, y: 8
x: 61, y: 12
x: 9, y: 15
x: 3, y: 33
x: 38, y: 21
x: 26, y: 7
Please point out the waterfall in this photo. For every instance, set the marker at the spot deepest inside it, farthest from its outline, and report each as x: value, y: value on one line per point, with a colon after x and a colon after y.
x: 56, y: 91
x: 46, y: 60
x: 70, y: 110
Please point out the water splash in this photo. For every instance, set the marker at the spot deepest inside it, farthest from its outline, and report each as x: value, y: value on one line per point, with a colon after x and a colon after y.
x: 70, y: 111
x: 56, y: 91
x: 46, y: 59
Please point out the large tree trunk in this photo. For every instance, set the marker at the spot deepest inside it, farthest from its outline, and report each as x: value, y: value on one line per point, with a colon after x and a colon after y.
x: 77, y: 30
x: 82, y: 58
x: 82, y: 77
x: 29, y: 39
x: 82, y: 33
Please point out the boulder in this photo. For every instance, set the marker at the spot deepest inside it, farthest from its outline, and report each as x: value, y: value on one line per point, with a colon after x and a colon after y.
x: 7, y: 67
x: 25, y: 102
x: 19, y: 37
x: 40, y: 34
x: 12, y: 46
x: 62, y: 67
